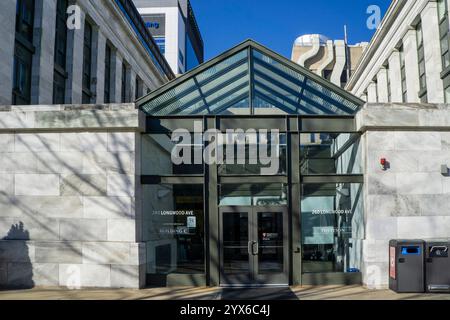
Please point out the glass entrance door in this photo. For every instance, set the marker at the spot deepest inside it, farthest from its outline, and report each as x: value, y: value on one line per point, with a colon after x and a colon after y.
x: 253, y: 246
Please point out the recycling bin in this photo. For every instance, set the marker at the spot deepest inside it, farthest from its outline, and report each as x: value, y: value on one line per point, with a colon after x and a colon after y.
x: 437, y: 266
x: 406, y: 266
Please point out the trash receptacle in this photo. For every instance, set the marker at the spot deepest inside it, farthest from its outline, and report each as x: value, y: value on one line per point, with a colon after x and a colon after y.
x: 437, y: 267
x: 406, y: 266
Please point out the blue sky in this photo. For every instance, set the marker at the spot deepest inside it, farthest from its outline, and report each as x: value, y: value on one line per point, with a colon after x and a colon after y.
x: 277, y: 23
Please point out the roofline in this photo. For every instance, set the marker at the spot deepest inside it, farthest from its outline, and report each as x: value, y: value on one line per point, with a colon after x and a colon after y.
x: 242, y: 46
x: 129, y: 11
x: 395, y: 7
x: 188, y: 75
x: 308, y: 73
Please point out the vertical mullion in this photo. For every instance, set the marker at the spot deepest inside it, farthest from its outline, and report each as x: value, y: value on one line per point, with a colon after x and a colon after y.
x: 250, y: 80
x: 294, y: 203
x: 212, y: 213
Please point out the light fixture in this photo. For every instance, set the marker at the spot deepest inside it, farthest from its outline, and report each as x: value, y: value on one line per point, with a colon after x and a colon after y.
x: 384, y: 164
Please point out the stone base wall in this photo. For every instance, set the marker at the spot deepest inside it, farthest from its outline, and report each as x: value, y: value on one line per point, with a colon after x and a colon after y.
x: 71, y: 264
x: 409, y: 200
x: 67, y: 197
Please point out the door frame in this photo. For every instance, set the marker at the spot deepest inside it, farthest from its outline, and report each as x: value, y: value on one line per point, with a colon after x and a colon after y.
x: 275, y: 279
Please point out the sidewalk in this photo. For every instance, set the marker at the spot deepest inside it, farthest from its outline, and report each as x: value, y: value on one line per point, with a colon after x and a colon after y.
x: 293, y: 293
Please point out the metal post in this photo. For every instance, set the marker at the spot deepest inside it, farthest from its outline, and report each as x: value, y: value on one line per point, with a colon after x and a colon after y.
x: 212, y: 215
x: 294, y: 204
x: 250, y: 81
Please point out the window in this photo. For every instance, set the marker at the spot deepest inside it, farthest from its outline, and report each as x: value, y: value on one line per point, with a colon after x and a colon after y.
x: 327, y: 74
x: 344, y: 77
x: 444, y: 39
x: 174, y: 228
x: 60, y: 74
x: 330, y: 153
x: 108, y: 60
x: 388, y: 77
x: 269, y: 194
x: 422, y: 70
x: 181, y: 56
x: 447, y: 93
x: 25, y: 19
x: 242, y: 154
x: 403, y: 74
x: 443, y: 32
x: 161, y: 43
x: 139, y: 88
x: 125, y: 85
x: 87, y: 64
x: 328, y: 240
x: 156, y: 153
x: 23, y: 52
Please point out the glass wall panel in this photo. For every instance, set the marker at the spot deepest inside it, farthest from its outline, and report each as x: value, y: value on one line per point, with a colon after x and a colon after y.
x: 253, y: 194
x: 332, y: 227
x: 235, y: 243
x: 271, y: 242
x: 157, y: 159
x: 212, y: 91
x: 174, y: 228
x: 257, y: 155
x: 330, y: 153
x: 278, y: 86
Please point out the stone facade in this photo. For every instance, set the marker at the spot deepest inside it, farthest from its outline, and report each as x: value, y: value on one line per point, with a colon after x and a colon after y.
x: 67, y: 197
x: 110, y: 26
x: 397, y: 32
x: 410, y: 199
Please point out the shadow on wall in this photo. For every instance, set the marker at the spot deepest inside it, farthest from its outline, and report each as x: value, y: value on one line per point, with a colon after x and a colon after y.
x: 16, y: 270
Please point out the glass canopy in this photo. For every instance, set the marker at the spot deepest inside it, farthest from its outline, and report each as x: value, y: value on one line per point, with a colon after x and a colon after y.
x: 249, y: 79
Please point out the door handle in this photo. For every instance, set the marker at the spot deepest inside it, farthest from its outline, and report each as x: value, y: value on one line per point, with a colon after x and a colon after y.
x: 255, y: 252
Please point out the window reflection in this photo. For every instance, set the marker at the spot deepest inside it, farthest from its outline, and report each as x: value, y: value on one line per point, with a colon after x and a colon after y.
x: 332, y: 216
x: 174, y: 228
x: 243, y: 155
x: 330, y: 153
x: 156, y: 156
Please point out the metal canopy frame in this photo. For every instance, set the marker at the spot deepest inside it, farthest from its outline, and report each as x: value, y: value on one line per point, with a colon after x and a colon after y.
x: 249, y: 76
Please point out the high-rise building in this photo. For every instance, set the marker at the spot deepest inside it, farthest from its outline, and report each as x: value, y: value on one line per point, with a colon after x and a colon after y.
x: 173, y: 25
x: 332, y: 60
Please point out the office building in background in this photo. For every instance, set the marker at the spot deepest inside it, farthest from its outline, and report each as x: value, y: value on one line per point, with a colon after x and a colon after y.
x: 332, y: 60
x: 173, y: 25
